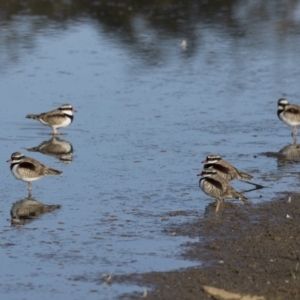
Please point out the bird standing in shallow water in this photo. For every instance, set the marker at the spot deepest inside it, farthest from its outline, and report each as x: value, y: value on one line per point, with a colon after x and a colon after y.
x: 214, y: 186
x: 29, y: 169
x: 289, y: 114
x: 61, y: 117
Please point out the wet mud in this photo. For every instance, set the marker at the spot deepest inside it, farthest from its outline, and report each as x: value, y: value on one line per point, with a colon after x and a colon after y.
x: 243, y: 249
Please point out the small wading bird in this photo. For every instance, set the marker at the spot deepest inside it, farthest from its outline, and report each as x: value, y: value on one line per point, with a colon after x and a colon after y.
x: 29, y: 169
x: 289, y: 114
x: 224, y: 169
x: 213, y: 185
x: 61, y: 117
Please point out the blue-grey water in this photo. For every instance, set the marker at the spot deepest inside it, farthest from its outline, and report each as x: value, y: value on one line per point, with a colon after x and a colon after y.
x: 149, y: 109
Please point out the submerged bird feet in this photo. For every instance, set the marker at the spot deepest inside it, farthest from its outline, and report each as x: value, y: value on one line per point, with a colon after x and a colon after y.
x: 294, y: 138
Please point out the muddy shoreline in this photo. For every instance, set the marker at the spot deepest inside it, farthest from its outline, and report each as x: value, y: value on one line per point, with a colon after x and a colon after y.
x: 245, y: 249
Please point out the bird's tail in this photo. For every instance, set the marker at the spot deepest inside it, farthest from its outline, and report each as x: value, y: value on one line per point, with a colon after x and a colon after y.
x: 48, y: 208
x: 32, y: 116
x: 51, y: 171
x: 240, y: 197
x: 33, y: 149
x: 245, y: 175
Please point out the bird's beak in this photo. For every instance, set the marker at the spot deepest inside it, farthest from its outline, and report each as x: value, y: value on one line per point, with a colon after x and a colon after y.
x: 9, y: 160
x: 204, y: 161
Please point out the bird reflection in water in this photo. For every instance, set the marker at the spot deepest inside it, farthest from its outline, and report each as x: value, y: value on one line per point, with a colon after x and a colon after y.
x: 61, y: 149
x: 28, y: 209
x: 289, y: 154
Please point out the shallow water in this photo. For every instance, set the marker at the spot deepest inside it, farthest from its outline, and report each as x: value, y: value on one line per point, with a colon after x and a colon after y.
x: 148, y: 112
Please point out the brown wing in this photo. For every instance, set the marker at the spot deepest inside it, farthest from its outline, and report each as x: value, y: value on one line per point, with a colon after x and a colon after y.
x: 55, y: 118
x: 51, y: 112
x: 30, y: 168
x: 27, y: 165
x: 221, y: 168
x: 215, y: 183
x: 292, y: 109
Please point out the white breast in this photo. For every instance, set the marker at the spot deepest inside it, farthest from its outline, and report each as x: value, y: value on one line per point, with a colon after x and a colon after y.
x: 15, y: 172
x: 18, y: 176
x: 204, y: 187
x: 288, y: 121
x: 65, y: 123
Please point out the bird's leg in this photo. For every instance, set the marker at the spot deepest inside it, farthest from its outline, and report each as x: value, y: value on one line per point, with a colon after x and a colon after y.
x: 295, y: 140
x: 295, y: 131
x: 29, y: 187
x: 218, y: 204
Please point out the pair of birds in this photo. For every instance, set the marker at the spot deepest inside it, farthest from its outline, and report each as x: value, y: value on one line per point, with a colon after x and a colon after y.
x: 29, y: 169
x: 216, y: 175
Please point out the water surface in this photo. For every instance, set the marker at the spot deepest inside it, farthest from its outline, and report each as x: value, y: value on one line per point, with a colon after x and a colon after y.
x: 149, y: 111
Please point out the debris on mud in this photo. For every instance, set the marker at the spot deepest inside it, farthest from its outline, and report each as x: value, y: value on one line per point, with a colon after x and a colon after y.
x: 246, y: 250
